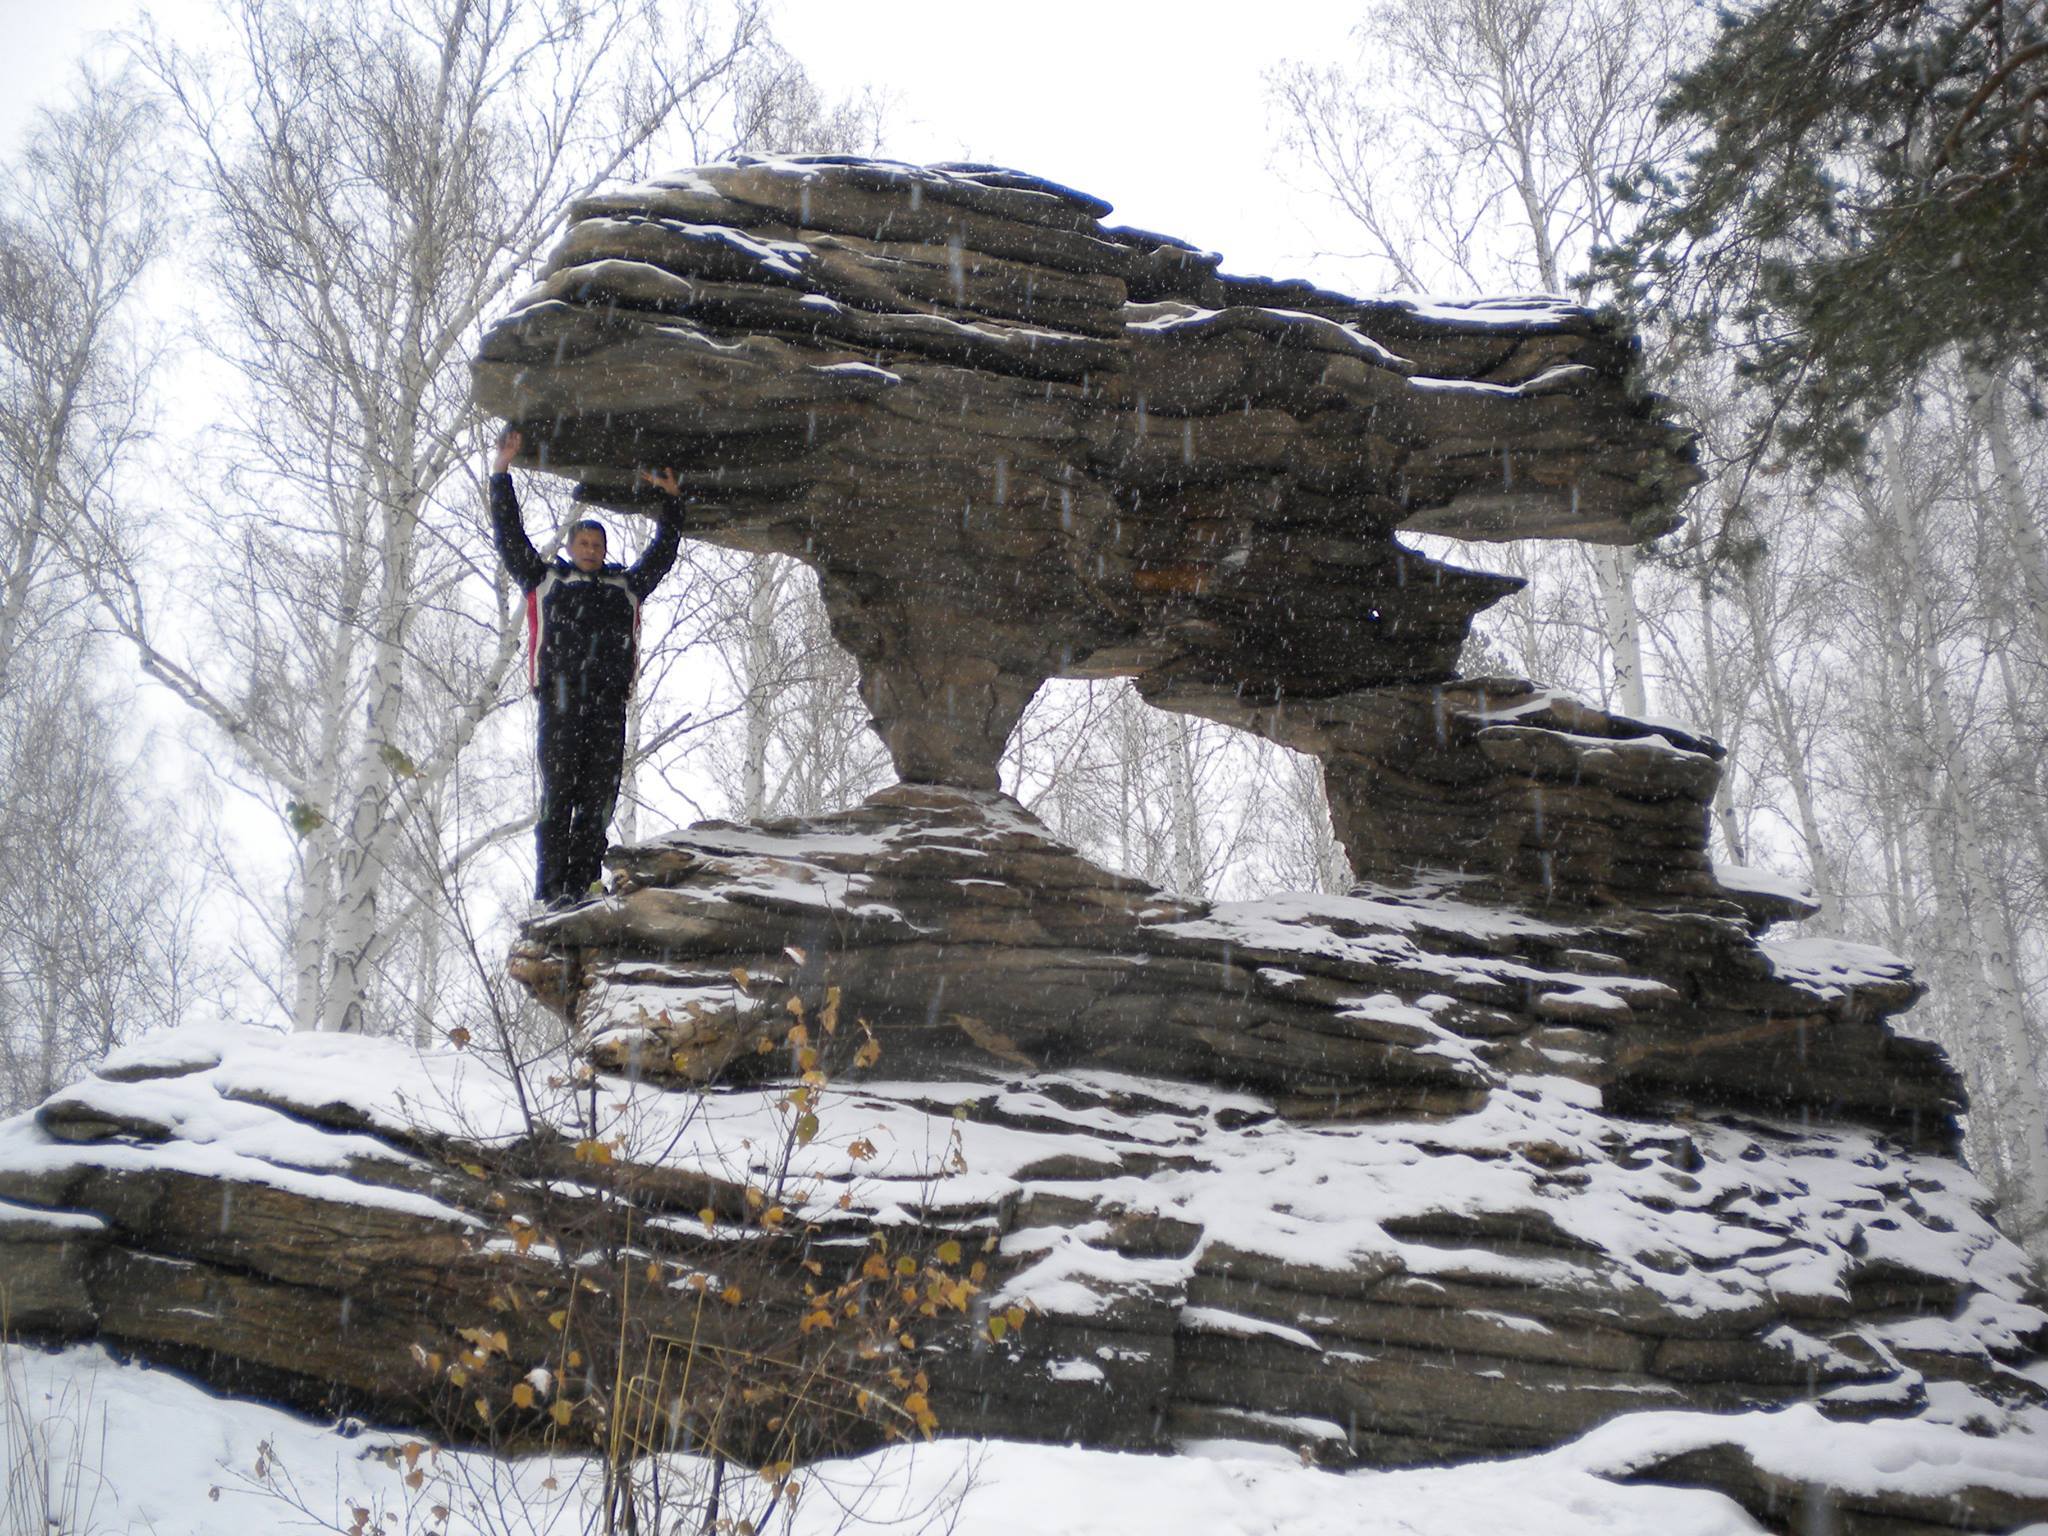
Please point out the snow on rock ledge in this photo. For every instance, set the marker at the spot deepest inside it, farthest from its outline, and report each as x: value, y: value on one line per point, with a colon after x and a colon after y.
x: 1200, y: 1267
x: 1393, y: 1179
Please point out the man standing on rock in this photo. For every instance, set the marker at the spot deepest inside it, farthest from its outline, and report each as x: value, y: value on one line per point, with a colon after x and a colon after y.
x: 582, y: 633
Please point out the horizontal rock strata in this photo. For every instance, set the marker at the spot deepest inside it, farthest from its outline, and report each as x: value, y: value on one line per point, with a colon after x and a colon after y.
x: 966, y: 934
x: 1519, y: 793
x: 1389, y: 1179
x: 1016, y: 443
x: 293, y: 1216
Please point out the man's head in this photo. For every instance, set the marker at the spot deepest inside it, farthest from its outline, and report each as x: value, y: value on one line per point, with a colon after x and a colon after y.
x: 586, y: 545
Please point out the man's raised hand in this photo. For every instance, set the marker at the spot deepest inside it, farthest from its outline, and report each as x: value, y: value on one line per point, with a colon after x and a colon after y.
x: 509, y: 443
x: 665, y: 482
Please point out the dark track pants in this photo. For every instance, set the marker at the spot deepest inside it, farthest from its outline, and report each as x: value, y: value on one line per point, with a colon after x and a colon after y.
x: 582, y: 750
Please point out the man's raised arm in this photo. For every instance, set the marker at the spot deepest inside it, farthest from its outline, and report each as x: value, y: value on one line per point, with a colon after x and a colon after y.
x: 507, y: 530
x: 655, y: 560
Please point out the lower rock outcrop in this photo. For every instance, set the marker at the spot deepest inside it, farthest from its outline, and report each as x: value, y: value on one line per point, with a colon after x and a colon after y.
x: 1390, y: 1179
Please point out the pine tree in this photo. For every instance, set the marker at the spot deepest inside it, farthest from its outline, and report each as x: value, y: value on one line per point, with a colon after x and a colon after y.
x: 1868, y: 187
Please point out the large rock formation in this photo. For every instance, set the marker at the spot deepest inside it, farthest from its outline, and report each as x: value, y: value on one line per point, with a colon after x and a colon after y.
x: 1536, y: 1130
x: 1017, y: 444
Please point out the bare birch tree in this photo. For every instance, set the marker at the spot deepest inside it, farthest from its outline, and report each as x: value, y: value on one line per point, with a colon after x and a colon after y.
x: 372, y: 180
x: 1194, y: 807
x: 97, y: 914
x: 80, y: 222
x: 99, y: 919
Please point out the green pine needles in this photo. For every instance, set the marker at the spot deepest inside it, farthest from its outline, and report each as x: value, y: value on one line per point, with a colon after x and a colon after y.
x: 1867, y: 187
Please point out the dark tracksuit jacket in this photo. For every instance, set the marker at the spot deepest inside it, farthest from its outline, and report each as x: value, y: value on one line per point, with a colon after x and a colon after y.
x: 582, y: 632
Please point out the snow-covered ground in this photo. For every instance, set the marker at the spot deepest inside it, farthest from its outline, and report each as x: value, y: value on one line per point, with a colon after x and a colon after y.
x: 133, y: 1449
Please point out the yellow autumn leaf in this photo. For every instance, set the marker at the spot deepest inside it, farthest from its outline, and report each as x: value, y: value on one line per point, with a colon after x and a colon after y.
x: 522, y: 1396
x: 1016, y: 1315
x: 561, y: 1412
x: 949, y: 1252
x: 558, y: 1319
x: 997, y: 1327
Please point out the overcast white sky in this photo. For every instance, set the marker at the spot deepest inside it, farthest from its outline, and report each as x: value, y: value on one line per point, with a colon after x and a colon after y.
x: 1157, y: 108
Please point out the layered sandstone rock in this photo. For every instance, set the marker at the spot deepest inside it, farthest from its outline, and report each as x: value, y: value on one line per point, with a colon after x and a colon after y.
x: 970, y: 938
x: 1388, y: 1179
x: 1019, y: 444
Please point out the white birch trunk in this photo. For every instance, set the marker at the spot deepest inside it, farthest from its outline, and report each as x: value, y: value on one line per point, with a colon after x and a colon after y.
x: 1718, y: 710
x: 309, y: 927
x: 426, y: 989
x: 371, y: 832
x: 1988, y: 409
x: 1184, y: 810
x: 1781, y: 720
x: 627, y: 817
x: 1617, y: 572
x: 1999, y: 1014
x: 764, y: 579
x: 14, y: 592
